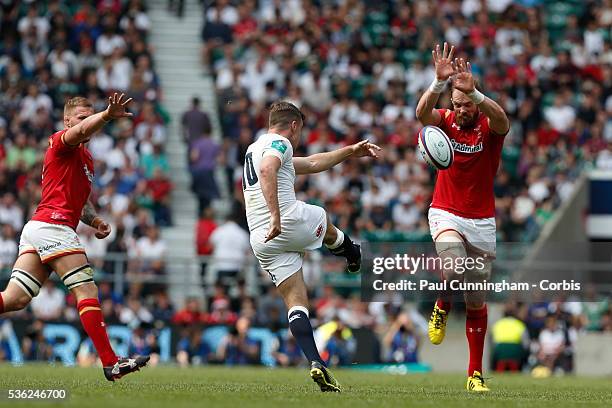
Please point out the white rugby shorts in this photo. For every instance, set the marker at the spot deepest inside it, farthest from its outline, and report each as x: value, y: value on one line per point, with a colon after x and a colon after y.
x: 478, y: 233
x: 49, y: 241
x: 302, y: 228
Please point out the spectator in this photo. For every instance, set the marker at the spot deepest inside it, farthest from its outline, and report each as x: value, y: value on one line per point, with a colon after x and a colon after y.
x: 192, y: 349
x: 237, y: 347
x: 50, y: 302
x: 160, y: 187
x: 336, y: 341
x: 20, y: 154
x: 510, y: 339
x: 204, y: 228
x: 149, y: 132
x: 151, y: 247
x: 163, y: 310
x: 203, y: 153
x: 195, y: 123
x: 595, y: 309
x: 34, y: 345
x: 402, y: 341
x: 552, y: 344
x: 191, y: 314
x: 231, y: 249
x: 560, y: 116
x: 220, y: 313
x: 157, y: 159
x: 8, y: 247
x: 134, y: 313
x: 287, y: 352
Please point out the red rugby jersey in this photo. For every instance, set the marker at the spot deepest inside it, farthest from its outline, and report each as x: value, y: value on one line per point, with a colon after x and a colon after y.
x: 466, y: 187
x: 67, y: 178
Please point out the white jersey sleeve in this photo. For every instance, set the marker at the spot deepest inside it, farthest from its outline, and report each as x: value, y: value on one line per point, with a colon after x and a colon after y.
x: 257, y: 211
x: 279, y: 148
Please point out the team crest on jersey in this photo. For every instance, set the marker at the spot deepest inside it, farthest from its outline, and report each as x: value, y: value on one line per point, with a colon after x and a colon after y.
x: 88, y: 174
x: 280, y: 146
x: 319, y: 231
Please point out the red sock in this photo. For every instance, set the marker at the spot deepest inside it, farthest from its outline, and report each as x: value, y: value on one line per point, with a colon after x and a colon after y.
x: 476, y: 331
x: 93, y: 323
x: 1, y: 304
x: 444, y: 305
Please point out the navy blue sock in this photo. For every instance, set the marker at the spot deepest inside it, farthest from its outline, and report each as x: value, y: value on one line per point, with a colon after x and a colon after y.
x: 299, y: 324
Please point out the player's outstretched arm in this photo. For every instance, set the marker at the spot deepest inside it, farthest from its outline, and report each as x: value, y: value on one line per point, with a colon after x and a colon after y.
x: 268, y: 175
x: 84, y: 130
x: 425, y: 111
x: 464, y: 81
x: 319, y: 162
x: 90, y: 217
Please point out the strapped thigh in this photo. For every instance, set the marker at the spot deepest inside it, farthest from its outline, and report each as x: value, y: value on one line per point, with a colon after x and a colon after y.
x: 78, y: 276
x: 27, y: 282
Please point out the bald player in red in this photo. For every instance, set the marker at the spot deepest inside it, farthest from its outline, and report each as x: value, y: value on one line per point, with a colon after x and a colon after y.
x: 49, y: 241
x: 462, y: 213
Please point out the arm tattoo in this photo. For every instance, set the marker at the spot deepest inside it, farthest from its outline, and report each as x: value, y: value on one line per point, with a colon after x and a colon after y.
x: 88, y: 215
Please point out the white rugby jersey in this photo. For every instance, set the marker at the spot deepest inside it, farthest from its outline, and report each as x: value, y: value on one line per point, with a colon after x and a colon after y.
x: 269, y: 144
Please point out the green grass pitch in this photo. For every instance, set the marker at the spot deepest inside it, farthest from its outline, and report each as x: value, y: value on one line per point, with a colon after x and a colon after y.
x: 260, y: 387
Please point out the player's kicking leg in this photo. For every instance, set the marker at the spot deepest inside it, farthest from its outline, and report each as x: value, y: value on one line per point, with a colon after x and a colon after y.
x: 476, y: 326
x: 28, y: 275
x: 293, y: 291
x: 340, y: 244
x: 449, y: 244
x: 77, y: 275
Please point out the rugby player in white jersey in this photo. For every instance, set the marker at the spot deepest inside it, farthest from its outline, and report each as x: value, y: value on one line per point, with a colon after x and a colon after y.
x: 283, y: 228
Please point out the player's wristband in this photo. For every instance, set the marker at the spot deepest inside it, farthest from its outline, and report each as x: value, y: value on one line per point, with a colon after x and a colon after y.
x: 437, y: 86
x: 476, y: 96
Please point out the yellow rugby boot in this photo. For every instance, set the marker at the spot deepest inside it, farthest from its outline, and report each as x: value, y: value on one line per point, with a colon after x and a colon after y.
x: 437, y: 325
x: 476, y: 383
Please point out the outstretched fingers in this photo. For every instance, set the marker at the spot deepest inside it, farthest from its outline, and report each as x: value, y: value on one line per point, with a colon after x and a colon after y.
x: 451, y: 53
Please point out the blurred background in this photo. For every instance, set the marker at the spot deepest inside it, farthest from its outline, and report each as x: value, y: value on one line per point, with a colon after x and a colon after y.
x: 177, y: 277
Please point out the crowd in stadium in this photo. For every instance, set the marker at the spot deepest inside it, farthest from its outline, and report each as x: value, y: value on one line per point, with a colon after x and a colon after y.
x: 356, y: 69
x: 54, y: 50
x: 542, y: 332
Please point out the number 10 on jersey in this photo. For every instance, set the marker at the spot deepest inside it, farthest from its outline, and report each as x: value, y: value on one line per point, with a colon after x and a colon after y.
x: 249, y: 174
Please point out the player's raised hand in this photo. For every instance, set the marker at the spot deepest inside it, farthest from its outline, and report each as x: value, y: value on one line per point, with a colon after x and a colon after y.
x: 117, y: 105
x: 275, y: 229
x: 463, y: 79
x: 443, y: 61
x: 365, y: 149
x: 103, y: 230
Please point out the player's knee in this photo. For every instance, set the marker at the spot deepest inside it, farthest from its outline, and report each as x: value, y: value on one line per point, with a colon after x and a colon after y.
x: 475, y: 304
x: 28, y: 286
x: 80, y: 281
x: 450, y: 247
x: 474, y: 299
x: 16, y: 300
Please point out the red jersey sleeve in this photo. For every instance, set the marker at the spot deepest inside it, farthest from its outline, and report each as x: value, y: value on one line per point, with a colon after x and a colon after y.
x: 57, y: 145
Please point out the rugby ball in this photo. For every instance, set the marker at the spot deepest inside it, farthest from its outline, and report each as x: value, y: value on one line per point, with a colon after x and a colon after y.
x: 436, y: 147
